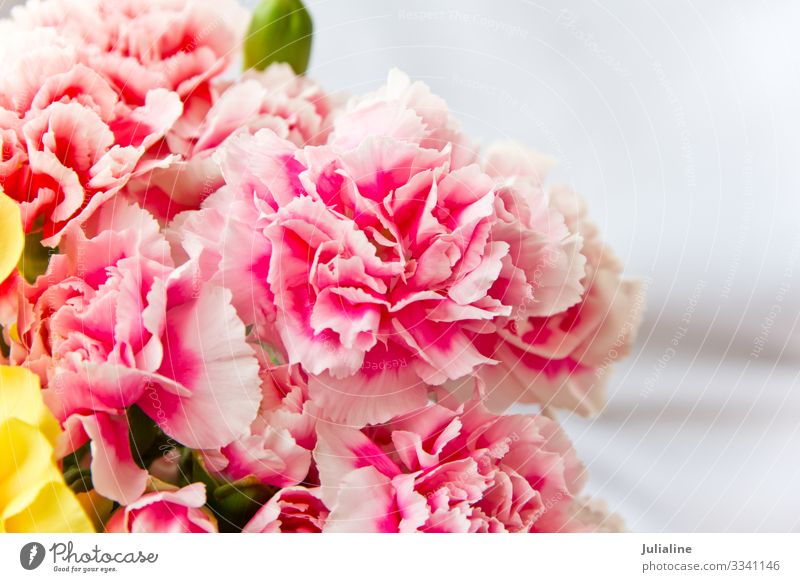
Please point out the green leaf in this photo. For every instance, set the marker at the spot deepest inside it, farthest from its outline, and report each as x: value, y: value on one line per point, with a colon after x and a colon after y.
x: 280, y: 32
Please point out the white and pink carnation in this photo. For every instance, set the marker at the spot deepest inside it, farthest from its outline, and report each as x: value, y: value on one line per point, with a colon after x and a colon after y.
x: 69, y: 143
x: 406, y: 111
x: 180, y: 511
x: 113, y: 324
x: 290, y: 510
x: 294, y: 107
x: 142, y: 45
x: 560, y: 357
x: 277, y: 448
x: 378, y: 260
x: 439, y: 470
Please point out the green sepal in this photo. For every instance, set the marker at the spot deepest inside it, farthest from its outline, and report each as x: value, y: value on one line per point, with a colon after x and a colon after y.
x: 35, y: 257
x: 236, y: 502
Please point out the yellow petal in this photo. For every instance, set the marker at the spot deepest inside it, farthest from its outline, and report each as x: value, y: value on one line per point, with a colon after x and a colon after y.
x: 26, y: 464
x: 55, y: 509
x: 21, y: 398
x: 12, y: 238
x: 33, y: 494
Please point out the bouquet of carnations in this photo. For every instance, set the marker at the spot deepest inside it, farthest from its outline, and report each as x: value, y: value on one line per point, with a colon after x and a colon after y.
x: 240, y: 303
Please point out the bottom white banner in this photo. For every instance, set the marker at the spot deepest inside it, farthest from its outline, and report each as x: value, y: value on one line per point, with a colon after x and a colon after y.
x: 401, y: 557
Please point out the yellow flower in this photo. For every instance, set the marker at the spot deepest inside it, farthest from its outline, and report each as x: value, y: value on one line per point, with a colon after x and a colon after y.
x: 33, y: 494
x: 13, y: 239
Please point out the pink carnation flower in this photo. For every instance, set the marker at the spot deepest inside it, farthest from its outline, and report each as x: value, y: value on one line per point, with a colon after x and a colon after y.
x: 437, y: 470
x: 68, y: 143
x: 141, y: 45
x: 404, y: 110
x: 290, y: 510
x: 560, y: 354
x: 294, y: 107
x: 277, y: 449
x: 385, y: 259
x: 544, y: 250
x: 111, y: 325
x: 178, y: 511
x: 377, y: 261
x: 381, y: 260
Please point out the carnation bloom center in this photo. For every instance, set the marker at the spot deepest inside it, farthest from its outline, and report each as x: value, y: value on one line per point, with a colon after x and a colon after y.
x: 428, y: 232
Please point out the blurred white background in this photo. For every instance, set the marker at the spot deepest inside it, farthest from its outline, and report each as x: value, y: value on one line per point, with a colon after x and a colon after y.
x: 678, y: 121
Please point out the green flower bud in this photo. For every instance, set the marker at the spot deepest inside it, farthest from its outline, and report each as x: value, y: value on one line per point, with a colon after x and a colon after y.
x: 280, y: 31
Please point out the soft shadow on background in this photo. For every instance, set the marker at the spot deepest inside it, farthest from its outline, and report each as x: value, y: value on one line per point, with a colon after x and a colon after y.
x: 678, y: 123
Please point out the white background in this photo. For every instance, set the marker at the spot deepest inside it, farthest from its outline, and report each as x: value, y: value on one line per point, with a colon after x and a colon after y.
x: 678, y: 121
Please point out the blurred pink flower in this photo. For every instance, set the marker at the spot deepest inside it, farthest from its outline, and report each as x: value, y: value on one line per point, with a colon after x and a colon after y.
x: 295, y: 108
x: 141, y: 45
x: 437, y: 470
x: 178, y: 511
x: 68, y: 143
x: 406, y: 111
x: 593, y: 516
x: 560, y: 354
x: 93, y: 87
x: 543, y: 250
